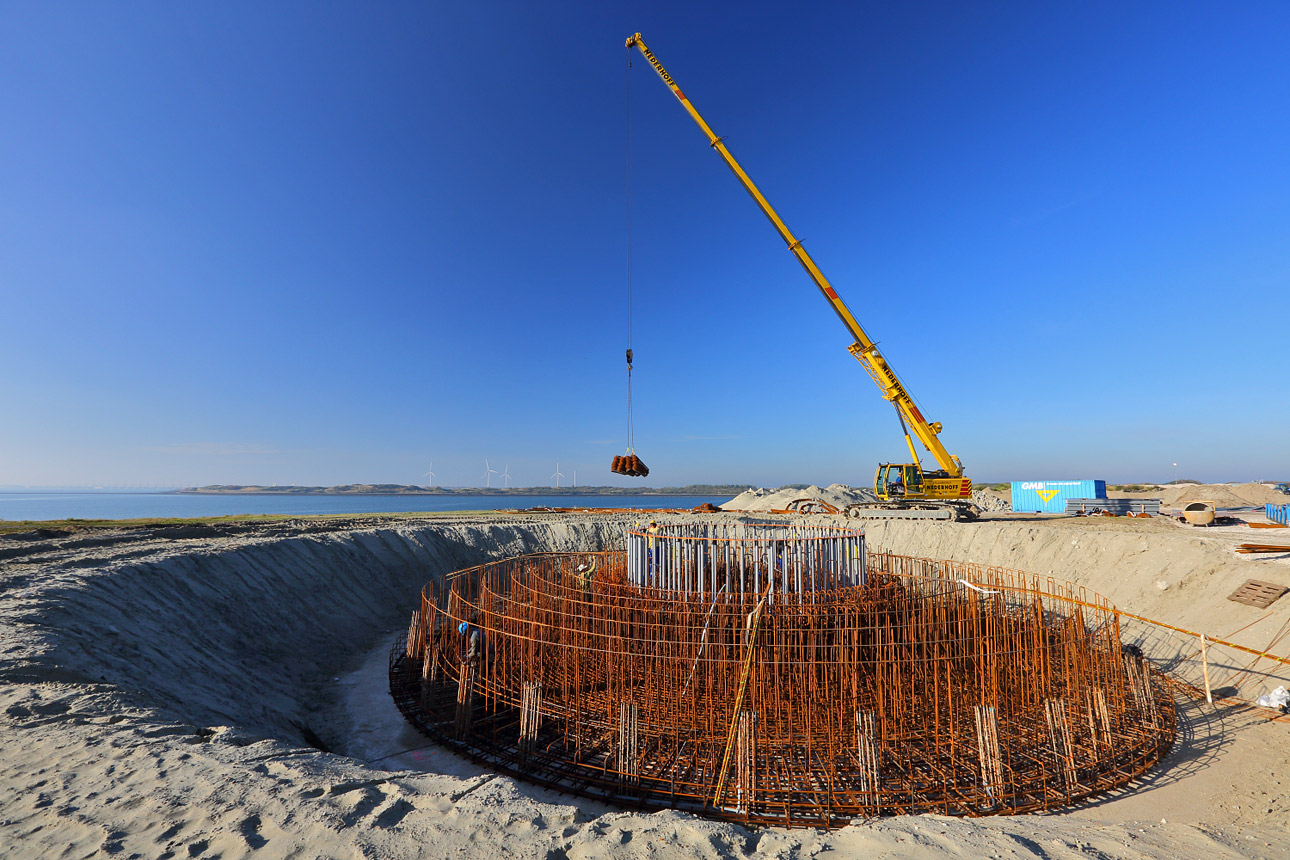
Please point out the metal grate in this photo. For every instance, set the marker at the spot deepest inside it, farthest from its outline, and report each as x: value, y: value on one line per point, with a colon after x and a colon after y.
x: 1256, y: 592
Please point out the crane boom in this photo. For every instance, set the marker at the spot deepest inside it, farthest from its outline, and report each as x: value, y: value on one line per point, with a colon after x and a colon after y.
x: 864, y: 349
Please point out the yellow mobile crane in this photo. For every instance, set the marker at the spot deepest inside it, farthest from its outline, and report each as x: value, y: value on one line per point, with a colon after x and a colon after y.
x: 902, y: 485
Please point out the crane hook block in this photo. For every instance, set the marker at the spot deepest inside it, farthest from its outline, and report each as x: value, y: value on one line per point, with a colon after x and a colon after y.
x: 630, y: 465
x: 629, y: 358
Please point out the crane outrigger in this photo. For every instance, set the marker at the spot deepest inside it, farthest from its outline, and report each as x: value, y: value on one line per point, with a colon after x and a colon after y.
x: 902, y: 485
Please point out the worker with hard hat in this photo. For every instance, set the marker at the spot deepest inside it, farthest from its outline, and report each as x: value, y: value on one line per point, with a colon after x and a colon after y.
x: 586, y: 572
x: 651, y: 534
x: 474, y: 640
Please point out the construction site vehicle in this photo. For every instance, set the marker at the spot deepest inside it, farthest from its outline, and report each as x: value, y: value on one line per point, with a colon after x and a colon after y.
x: 899, y: 486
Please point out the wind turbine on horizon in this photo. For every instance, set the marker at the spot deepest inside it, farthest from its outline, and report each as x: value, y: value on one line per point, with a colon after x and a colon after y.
x: 488, y: 475
x: 506, y: 476
x: 430, y: 475
x: 558, y: 474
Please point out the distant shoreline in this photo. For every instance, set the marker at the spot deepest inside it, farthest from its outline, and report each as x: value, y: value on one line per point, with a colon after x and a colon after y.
x: 406, y: 490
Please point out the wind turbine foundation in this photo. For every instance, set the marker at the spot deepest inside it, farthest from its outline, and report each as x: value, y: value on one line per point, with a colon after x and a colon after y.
x: 781, y: 675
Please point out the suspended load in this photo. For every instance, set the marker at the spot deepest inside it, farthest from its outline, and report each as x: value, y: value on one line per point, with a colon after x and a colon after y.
x: 630, y: 465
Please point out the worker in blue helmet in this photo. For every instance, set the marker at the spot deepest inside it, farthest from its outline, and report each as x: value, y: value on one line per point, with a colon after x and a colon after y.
x: 474, y: 640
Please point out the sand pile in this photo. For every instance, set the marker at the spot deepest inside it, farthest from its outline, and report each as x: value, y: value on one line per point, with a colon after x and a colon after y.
x: 1175, y: 495
x: 838, y: 495
x: 160, y: 691
x: 1226, y: 495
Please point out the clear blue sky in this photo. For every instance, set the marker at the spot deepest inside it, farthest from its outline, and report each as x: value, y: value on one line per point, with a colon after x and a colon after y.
x: 329, y: 243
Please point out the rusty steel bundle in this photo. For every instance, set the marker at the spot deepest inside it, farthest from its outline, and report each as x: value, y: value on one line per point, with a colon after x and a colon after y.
x: 905, y: 691
x: 1262, y: 547
x: 630, y: 465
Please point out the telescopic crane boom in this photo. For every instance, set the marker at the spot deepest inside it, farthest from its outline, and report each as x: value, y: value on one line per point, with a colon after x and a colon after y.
x: 893, y: 481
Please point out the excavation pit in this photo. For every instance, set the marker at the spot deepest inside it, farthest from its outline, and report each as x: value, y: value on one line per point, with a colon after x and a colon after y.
x: 777, y: 675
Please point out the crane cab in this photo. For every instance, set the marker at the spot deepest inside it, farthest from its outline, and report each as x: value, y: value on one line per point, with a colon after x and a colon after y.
x: 896, y: 481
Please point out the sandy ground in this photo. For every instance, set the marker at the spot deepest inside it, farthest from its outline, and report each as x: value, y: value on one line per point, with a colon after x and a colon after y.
x: 1177, y: 495
x: 156, y: 684
x: 1172, y: 496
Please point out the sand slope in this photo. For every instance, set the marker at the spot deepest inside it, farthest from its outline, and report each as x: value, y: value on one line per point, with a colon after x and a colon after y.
x: 153, y: 685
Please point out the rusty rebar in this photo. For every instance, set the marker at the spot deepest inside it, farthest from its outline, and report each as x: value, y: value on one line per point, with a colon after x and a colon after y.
x: 909, y: 690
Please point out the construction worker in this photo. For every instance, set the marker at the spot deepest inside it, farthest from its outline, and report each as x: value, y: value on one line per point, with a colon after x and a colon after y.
x: 474, y: 643
x: 652, y: 533
x: 781, y: 561
x: 586, y: 572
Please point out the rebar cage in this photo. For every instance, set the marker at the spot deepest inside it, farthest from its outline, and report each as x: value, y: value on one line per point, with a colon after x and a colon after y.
x: 707, y: 559
x: 909, y: 691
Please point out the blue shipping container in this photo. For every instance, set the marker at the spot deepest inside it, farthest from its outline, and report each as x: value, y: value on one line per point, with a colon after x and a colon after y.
x: 1049, y: 497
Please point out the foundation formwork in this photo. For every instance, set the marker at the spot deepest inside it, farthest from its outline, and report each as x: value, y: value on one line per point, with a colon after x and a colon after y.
x: 895, y: 689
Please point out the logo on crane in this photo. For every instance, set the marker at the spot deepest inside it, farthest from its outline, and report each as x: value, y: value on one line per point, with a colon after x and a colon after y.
x: 658, y: 67
x: 662, y: 72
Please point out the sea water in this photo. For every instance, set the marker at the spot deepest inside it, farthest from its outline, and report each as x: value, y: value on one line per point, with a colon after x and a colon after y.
x: 126, y: 506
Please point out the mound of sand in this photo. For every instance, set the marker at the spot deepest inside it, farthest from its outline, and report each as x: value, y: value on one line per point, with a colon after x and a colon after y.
x: 1176, y: 495
x: 838, y: 495
x: 1225, y: 495
x: 162, y: 693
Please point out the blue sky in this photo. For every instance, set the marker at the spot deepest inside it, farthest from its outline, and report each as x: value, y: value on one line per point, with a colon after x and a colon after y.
x: 331, y: 243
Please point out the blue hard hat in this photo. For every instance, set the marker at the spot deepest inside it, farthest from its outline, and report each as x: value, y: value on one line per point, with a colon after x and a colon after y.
x: 462, y: 628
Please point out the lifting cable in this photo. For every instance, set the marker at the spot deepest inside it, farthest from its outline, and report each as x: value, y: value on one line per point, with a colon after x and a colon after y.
x: 631, y: 425
x: 629, y: 463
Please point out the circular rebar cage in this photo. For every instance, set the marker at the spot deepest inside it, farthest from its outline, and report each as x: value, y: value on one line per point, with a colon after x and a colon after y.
x: 902, y: 693
x: 708, y: 559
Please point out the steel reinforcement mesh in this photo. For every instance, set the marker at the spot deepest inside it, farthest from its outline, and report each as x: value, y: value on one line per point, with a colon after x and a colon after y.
x: 914, y: 692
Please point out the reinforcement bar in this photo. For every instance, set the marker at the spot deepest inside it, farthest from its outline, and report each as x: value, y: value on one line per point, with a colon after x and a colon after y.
x: 913, y: 692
